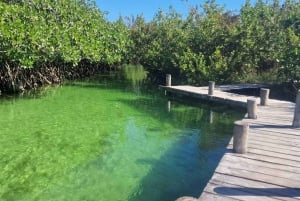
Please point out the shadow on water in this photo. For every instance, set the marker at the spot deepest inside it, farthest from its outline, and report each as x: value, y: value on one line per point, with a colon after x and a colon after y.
x: 285, y: 91
x: 186, y: 167
x: 187, y: 150
x: 190, y: 139
x: 215, y: 122
x: 182, y: 170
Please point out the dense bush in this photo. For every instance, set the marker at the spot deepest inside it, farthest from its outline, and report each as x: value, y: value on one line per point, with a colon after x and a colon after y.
x: 37, y: 31
x: 52, y: 37
x: 260, y: 43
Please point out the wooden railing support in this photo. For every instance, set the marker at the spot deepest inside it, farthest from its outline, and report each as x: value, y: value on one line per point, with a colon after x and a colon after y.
x: 240, y: 137
x: 252, y: 108
x: 296, y: 121
x: 168, y: 80
x: 264, y: 96
x: 211, y: 88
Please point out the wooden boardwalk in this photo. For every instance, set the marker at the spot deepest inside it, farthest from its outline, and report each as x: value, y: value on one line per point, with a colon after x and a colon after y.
x: 271, y: 168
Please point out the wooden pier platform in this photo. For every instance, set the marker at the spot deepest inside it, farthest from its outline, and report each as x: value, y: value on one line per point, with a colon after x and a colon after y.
x: 270, y: 170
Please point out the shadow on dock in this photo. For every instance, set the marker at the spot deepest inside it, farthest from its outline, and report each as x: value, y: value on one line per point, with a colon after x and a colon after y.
x: 270, y: 192
x: 271, y: 126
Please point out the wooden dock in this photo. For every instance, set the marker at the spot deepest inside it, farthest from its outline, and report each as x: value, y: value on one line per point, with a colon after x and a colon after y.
x: 270, y: 170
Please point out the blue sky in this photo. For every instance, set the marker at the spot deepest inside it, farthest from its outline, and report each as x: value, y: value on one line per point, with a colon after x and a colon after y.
x: 148, y: 8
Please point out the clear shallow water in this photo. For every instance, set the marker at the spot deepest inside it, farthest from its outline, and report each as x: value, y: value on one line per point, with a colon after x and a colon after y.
x: 100, y: 141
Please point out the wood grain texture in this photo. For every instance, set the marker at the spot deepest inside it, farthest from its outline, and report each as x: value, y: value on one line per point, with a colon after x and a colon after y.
x: 271, y: 168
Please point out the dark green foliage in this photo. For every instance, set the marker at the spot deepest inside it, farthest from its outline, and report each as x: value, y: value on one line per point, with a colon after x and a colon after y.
x: 39, y: 31
x: 52, y: 40
x: 260, y: 43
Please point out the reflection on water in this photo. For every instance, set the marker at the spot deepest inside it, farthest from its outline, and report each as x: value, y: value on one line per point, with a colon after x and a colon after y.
x: 211, y: 117
x: 98, y: 141
x: 136, y: 74
x: 169, y: 106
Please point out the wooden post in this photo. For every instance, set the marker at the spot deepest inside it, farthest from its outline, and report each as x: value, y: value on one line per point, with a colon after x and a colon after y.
x: 296, y: 122
x: 211, y: 88
x: 168, y: 80
x: 240, y: 137
x: 264, y: 96
x: 252, y: 108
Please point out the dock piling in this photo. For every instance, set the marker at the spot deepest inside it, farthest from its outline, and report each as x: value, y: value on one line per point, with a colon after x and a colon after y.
x: 256, y: 140
x: 264, y: 96
x: 168, y: 80
x: 240, y: 137
x: 252, y: 108
x: 296, y: 121
x: 211, y: 88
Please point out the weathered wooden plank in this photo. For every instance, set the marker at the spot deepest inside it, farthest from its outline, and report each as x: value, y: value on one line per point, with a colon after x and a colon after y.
x: 214, y: 197
x: 264, y: 149
x: 202, y: 93
x: 275, y: 128
x: 277, y: 148
x: 279, y: 115
x: 281, y: 106
x: 289, y: 183
x: 271, y: 136
x: 258, y: 168
x: 271, y: 159
x: 269, y: 144
x: 256, y: 128
x: 268, y: 141
x: 284, y: 134
x: 238, y: 158
x: 289, y: 194
x: 270, y: 122
x: 282, y: 110
x: 275, y: 120
x: 274, y: 154
x: 271, y: 168
x: 230, y: 87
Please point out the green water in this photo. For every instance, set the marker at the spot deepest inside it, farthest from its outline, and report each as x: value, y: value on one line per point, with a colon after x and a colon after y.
x: 100, y: 141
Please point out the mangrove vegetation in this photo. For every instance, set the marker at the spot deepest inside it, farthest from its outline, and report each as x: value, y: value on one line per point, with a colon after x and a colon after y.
x: 45, y: 42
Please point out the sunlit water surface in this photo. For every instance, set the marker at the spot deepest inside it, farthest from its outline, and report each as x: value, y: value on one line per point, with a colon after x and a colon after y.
x: 107, y: 141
